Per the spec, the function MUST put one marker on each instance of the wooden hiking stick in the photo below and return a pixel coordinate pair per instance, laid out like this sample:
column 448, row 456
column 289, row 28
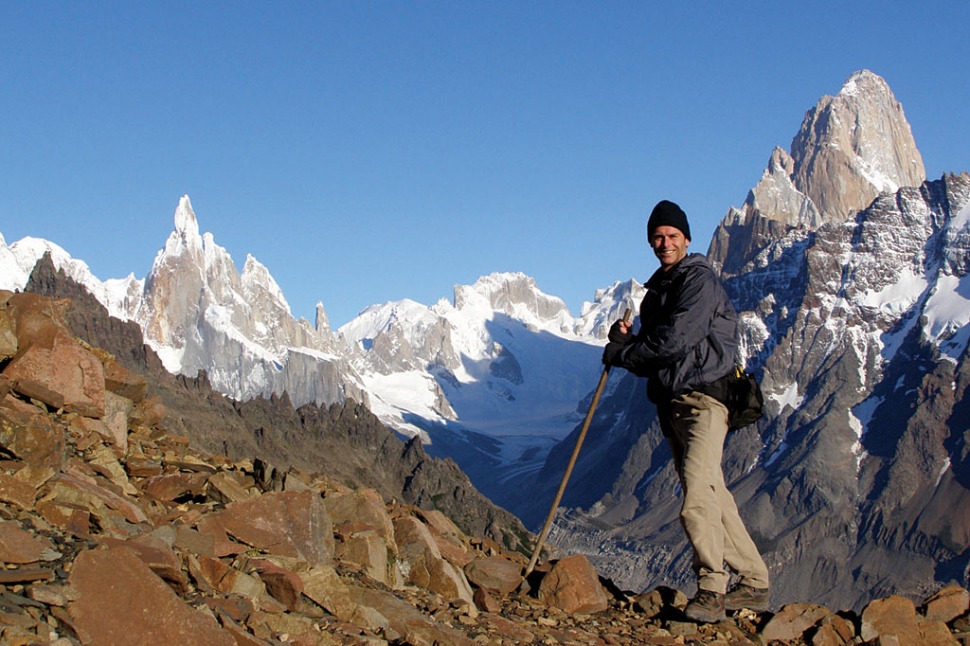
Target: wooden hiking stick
column 569, row 467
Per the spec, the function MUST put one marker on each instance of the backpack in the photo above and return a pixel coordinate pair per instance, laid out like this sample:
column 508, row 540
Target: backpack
column 745, row 402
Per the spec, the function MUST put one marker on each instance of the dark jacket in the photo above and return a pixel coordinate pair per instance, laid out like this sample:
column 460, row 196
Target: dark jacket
column 688, row 337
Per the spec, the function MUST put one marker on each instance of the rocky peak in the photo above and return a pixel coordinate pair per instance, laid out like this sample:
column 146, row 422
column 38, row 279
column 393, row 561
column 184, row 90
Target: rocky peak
column 776, row 197
column 322, row 321
column 854, row 146
column 186, row 225
column 514, row 294
column 850, row 149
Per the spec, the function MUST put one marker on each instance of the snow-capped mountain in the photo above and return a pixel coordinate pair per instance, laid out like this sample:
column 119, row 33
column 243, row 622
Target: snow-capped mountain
column 850, row 273
column 491, row 379
column 856, row 316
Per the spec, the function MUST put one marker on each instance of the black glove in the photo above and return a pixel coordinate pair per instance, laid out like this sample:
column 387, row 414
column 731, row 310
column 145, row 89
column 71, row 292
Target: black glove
column 611, row 352
column 617, row 335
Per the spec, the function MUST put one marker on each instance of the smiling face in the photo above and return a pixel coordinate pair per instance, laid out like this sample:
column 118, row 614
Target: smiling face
column 669, row 245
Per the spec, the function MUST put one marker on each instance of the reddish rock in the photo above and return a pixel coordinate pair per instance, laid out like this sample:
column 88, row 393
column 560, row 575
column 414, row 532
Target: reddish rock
column 191, row 540
column 103, row 460
column 123, row 382
column 792, row 620
column 650, row 603
column 288, row 523
column 117, row 411
column 156, row 554
column 495, row 574
column 16, row 492
column 238, row 608
column 573, row 586
column 67, row 517
column 421, row 558
column 227, row 486
column 413, row 536
column 148, row 412
column 324, row 587
column 486, row 602
column 242, row 636
column 8, row 336
column 138, row 466
column 368, row 550
column 376, row 609
column 35, row 476
column 454, row 552
column 363, row 506
column 947, row 604
column 175, row 485
column 441, row 525
column 509, row 629
column 214, row 534
column 893, row 615
column 19, row 546
column 833, row 630
column 283, row 585
column 209, row 572
column 122, row 602
column 69, row 487
column 32, row 437
column 427, row 632
column 934, row 633
column 50, row 365
column 36, row 319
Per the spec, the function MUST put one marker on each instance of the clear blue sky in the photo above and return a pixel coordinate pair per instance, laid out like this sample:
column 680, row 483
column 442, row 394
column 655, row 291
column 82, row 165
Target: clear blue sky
column 373, row 151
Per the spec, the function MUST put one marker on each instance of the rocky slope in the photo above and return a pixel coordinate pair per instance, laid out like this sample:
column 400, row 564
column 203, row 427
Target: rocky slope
column 345, row 440
column 116, row 531
column 855, row 317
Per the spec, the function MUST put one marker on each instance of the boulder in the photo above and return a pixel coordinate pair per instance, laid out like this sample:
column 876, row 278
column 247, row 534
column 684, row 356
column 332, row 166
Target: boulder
column 362, row 506
column 31, row 436
column 893, row 615
column 495, row 574
column 422, row 563
column 17, row 492
column 122, row 602
column 322, row 585
column 289, row 523
column 21, row 547
column 947, row 604
column 50, row 365
column 792, row 620
column 368, row 550
column 173, row 486
column 573, row 586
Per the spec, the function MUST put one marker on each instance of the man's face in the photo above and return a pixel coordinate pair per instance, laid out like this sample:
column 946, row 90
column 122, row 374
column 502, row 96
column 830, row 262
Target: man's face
column 669, row 245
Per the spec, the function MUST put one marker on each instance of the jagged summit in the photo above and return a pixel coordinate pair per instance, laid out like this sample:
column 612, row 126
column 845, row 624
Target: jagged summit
column 186, row 229
column 850, row 149
column 854, row 146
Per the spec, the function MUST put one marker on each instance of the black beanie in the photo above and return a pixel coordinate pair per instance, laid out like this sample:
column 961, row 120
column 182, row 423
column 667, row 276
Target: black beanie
column 669, row 214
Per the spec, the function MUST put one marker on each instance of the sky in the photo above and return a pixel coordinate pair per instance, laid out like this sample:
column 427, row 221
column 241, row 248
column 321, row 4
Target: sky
column 368, row 152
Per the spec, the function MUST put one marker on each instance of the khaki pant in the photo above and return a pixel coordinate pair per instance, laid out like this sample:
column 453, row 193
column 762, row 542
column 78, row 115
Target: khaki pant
column 695, row 426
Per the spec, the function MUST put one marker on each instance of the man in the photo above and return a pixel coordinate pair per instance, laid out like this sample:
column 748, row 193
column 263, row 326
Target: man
column 686, row 347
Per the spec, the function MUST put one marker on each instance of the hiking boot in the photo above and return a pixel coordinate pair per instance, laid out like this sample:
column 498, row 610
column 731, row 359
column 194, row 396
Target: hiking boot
column 746, row 596
column 706, row 607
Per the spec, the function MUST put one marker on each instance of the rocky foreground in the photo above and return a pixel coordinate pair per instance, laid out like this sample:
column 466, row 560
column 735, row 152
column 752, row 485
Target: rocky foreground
column 115, row 531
